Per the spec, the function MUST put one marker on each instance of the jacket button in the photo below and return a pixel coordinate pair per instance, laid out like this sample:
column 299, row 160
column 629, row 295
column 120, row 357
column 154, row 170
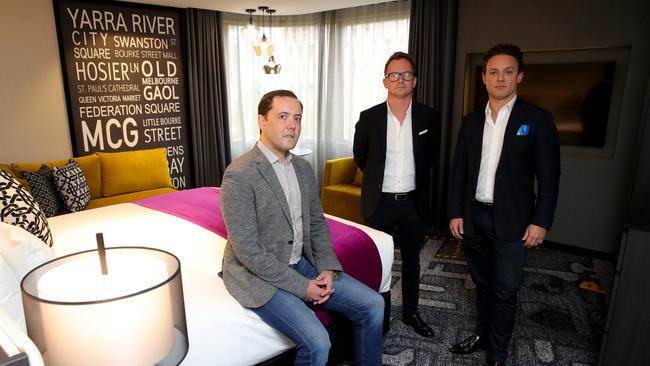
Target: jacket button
column 290, row 242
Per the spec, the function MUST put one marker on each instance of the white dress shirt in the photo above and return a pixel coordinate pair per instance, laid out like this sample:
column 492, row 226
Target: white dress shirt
column 289, row 182
column 399, row 168
column 493, row 133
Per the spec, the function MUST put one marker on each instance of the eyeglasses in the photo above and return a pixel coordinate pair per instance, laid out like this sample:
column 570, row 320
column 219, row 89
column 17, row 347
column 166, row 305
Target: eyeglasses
column 406, row 75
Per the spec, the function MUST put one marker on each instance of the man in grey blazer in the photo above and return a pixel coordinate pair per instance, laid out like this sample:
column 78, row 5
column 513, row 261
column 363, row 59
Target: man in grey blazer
column 279, row 260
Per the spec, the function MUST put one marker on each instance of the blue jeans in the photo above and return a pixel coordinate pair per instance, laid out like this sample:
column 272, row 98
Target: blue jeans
column 293, row 317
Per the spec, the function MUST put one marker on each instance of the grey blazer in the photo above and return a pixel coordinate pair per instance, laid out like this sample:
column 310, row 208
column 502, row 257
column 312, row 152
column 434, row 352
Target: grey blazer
column 260, row 236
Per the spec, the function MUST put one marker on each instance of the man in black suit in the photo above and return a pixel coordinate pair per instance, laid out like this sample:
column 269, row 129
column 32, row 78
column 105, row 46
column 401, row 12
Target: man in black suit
column 395, row 143
column 493, row 206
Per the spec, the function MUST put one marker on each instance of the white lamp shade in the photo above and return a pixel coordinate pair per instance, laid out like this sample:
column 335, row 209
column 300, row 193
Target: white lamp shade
column 134, row 315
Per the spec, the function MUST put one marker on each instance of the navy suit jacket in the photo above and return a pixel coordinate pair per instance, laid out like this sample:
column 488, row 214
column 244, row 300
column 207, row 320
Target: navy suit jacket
column 525, row 157
column 370, row 153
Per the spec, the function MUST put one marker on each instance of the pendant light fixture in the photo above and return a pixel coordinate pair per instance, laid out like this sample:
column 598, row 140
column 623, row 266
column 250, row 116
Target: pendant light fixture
column 263, row 45
column 250, row 29
column 271, row 48
column 271, row 66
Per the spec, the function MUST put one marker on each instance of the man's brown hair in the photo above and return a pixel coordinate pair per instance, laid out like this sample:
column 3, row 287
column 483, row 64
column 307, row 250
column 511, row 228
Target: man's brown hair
column 266, row 103
column 505, row 49
column 398, row 56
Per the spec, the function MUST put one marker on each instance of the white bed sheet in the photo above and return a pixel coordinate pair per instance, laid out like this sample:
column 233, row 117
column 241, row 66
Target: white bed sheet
column 220, row 331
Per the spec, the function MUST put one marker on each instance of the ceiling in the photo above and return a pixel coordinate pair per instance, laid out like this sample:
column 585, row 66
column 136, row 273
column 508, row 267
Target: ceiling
column 282, row 7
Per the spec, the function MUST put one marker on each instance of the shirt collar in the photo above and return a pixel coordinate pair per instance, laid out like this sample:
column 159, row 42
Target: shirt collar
column 270, row 156
column 508, row 105
column 408, row 111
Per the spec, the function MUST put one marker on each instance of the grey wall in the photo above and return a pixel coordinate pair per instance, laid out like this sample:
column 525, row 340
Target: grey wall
column 594, row 192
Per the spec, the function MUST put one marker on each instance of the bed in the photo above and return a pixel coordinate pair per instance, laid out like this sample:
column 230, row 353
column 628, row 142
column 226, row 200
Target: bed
column 220, row 331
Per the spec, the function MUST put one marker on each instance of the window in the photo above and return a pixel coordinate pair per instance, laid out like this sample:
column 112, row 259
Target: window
column 333, row 61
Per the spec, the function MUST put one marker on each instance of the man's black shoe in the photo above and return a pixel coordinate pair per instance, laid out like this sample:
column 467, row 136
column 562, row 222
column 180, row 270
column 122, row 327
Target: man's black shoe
column 471, row 344
column 418, row 325
column 495, row 363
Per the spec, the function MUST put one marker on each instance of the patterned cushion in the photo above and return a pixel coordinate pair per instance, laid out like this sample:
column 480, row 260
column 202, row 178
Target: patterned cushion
column 6, row 168
column 72, row 185
column 18, row 207
column 44, row 190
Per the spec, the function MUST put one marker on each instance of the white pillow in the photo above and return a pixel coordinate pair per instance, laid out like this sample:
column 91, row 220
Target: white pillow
column 10, row 298
column 20, row 252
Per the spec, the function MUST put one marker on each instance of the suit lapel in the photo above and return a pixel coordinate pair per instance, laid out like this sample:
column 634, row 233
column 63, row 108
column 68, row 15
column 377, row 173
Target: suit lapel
column 266, row 170
column 476, row 141
column 304, row 200
column 514, row 122
column 382, row 130
column 415, row 126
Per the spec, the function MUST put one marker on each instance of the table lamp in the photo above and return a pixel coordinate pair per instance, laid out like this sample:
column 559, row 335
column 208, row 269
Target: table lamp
column 125, row 309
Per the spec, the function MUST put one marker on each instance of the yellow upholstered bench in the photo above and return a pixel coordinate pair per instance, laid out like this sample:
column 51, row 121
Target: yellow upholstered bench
column 341, row 192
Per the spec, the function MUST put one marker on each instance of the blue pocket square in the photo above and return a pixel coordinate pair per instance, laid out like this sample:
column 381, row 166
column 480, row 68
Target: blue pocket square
column 523, row 130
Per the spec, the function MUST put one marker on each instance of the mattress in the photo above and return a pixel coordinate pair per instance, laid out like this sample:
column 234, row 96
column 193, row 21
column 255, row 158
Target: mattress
column 220, row 331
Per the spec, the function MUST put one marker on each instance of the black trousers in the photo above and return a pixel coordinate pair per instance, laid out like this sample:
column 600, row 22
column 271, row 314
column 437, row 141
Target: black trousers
column 497, row 268
column 400, row 218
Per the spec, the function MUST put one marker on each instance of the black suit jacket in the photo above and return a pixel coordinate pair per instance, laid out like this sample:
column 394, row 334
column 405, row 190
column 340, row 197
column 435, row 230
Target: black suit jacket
column 370, row 153
column 524, row 158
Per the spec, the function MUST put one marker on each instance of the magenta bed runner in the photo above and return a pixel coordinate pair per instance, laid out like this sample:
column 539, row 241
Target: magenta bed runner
column 353, row 247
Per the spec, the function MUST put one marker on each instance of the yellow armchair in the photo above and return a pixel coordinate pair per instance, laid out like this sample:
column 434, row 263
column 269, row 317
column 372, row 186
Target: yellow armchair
column 341, row 193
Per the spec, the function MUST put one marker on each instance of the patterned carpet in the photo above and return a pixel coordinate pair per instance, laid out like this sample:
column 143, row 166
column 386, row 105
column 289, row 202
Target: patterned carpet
column 562, row 309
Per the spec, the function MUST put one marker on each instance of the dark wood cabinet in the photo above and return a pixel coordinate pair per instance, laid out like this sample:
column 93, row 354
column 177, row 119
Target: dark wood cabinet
column 626, row 340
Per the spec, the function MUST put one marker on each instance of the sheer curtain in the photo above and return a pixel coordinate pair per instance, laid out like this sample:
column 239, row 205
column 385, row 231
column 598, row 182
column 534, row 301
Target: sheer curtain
column 333, row 61
column 360, row 41
column 297, row 50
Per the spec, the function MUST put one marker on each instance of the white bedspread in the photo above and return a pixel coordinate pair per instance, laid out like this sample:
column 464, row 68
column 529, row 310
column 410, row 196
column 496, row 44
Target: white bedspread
column 221, row 332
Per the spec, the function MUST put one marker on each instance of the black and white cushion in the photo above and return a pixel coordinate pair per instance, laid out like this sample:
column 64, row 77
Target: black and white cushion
column 18, row 207
column 72, row 185
column 44, row 190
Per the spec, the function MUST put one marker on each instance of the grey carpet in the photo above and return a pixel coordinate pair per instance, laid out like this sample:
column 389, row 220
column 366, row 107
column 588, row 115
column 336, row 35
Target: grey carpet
column 561, row 313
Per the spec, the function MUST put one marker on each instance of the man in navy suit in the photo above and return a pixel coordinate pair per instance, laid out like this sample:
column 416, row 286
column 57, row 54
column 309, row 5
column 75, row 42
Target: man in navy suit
column 493, row 206
column 395, row 144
